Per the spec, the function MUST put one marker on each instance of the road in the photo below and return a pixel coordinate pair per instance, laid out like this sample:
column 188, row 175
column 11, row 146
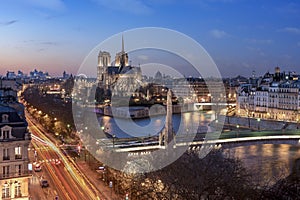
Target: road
column 66, row 181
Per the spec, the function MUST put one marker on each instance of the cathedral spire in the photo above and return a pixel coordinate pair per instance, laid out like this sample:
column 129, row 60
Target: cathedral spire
column 123, row 44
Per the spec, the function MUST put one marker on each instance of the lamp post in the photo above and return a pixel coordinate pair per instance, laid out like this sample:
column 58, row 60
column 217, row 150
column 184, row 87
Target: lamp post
column 237, row 133
column 258, row 120
column 114, row 136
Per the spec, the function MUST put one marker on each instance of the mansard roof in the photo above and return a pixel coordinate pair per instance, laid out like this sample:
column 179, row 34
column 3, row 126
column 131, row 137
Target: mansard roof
column 18, row 124
column 296, row 84
column 14, row 119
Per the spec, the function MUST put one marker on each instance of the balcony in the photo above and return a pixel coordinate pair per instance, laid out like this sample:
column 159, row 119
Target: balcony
column 25, row 173
column 6, row 158
column 18, row 157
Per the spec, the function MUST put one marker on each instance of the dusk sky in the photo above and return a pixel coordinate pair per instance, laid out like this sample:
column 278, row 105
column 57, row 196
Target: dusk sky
column 240, row 35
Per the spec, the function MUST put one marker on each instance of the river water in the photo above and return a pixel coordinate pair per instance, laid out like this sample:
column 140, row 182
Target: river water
column 268, row 162
column 185, row 123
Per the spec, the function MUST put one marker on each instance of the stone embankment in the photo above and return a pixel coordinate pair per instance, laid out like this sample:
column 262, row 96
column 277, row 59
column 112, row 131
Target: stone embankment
column 259, row 124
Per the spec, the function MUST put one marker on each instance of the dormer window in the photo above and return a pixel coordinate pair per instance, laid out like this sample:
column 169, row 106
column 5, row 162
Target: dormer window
column 4, row 118
column 6, row 133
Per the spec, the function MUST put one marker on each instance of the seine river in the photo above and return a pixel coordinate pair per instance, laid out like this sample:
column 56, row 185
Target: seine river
column 186, row 123
column 268, row 162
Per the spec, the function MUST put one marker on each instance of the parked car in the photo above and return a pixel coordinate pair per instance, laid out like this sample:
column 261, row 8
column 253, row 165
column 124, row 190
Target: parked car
column 44, row 183
column 37, row 168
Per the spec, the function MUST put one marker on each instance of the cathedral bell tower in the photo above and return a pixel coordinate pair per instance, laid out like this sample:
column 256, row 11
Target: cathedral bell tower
column 103, row 63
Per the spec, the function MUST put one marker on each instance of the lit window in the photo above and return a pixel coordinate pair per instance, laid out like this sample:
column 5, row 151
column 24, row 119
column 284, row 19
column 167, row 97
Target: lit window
column 18, row 152
column 18, row 189
column 6, row 190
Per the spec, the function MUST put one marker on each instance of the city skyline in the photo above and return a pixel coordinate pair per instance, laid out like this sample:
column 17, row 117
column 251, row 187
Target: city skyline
column 239, row 35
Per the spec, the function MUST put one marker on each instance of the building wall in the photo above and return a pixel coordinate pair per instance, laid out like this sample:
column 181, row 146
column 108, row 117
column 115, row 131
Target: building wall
column 276, row 96
column 14, row 143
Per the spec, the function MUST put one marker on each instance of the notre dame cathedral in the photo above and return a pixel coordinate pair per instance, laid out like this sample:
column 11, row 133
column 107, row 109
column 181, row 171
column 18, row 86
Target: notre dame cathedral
column 120, row 78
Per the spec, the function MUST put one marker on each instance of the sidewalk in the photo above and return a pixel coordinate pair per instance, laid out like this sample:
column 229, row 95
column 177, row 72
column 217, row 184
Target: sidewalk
column 95, row 178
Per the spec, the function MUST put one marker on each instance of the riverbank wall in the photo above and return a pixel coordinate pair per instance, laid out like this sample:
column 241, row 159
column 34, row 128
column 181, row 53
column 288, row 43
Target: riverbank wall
column 140, row 112
column 262, row 124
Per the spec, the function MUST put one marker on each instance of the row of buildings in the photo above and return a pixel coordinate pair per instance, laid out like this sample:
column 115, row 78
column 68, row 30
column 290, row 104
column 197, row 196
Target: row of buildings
column 125, row 80
column 272, row 96
column 33, row 76
column 14, row 142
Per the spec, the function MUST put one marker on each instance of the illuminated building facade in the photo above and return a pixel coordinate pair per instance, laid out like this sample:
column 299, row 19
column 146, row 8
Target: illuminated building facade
column 121, row 78
column 14, row 142
column 277, row 97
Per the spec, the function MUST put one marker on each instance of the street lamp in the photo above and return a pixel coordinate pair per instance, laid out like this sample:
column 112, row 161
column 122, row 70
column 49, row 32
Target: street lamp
column 258, row 120
column 114, row 136
column 237, row 133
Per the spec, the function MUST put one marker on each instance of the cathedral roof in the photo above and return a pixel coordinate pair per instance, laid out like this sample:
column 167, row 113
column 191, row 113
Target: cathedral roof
column 112, row 70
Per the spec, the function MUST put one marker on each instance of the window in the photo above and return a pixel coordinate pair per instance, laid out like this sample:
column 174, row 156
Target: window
column 5, row 171
column 6, row 190
column 6, row 154
column 4, row 118
column 18, row 152
column 5, row 134
column 18, row 189
column 18, row 170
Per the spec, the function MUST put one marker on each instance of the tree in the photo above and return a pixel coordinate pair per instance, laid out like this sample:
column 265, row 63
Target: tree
column 213, row 177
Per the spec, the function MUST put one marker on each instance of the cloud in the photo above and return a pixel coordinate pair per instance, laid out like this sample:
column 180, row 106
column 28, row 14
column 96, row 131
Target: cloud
column 48, row 4
column 7, row 23
column 257, row 41
column 218, row 34
column 41, row 43
column 143, row 57
column 293, row 30
column 286, row 57
column 130, row 6
column 46, row 15
column 257, row 51
column 49, row 43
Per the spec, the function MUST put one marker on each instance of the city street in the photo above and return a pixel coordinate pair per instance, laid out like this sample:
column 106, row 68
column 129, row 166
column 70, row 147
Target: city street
column 65, row 181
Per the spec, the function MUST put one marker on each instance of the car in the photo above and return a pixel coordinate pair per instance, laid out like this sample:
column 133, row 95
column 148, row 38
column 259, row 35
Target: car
column 44, row 183
column 37, row 168
column 57, row 161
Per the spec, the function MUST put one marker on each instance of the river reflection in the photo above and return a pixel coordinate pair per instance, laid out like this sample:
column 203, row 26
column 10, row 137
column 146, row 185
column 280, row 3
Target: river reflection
column 185, row 123
column 268, row 162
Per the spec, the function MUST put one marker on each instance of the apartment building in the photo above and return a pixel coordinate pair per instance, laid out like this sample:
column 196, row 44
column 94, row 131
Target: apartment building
column 276, row 96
